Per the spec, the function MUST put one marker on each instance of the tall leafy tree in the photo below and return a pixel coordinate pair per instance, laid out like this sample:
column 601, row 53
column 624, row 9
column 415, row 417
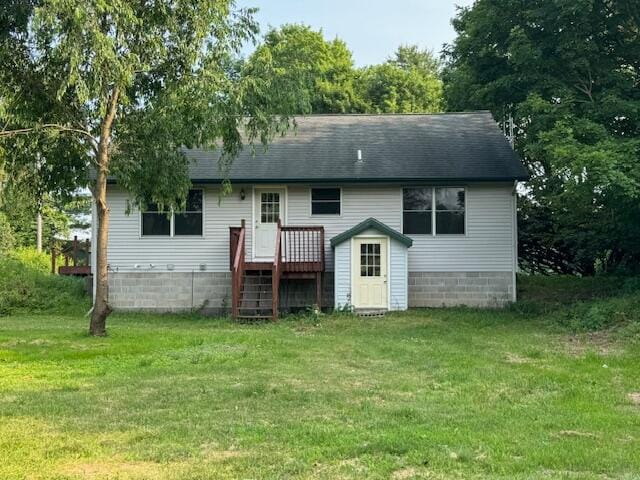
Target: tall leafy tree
column 319, row 72
column 128, row 84
column 408, row 82
column 569, row 75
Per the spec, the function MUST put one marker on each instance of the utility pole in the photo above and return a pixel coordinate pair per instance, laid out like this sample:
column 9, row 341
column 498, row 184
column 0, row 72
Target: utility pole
column 39, row 230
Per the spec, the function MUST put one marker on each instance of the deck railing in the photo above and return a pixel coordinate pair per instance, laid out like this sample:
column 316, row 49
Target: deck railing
column 303, row 248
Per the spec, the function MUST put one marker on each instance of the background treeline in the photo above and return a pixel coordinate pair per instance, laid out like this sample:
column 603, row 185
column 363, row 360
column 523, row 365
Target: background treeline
column 565, row 74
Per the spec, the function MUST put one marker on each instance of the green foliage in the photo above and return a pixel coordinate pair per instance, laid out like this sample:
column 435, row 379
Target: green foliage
column 315, row 74
column 7, row 240
column 318, row 76
column 389, row 88
column 27, row 285
column 569, row 75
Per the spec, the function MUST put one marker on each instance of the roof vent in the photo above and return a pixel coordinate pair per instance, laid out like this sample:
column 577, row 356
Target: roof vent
column 360, row 155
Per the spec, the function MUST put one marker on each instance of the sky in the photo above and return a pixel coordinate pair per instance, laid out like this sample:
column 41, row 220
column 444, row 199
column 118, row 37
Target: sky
column 372, row 29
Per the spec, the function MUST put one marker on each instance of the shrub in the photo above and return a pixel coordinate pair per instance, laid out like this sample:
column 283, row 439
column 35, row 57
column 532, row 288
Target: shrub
column 6, row 235
column 27, row 285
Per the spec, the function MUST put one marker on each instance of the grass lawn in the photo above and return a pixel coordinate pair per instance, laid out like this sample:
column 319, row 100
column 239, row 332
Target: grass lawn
column 450, row 393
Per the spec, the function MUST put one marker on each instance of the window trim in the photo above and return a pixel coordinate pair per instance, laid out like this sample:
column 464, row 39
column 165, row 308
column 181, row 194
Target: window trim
column 172, row 221
column 331, row 215
column 433, row 211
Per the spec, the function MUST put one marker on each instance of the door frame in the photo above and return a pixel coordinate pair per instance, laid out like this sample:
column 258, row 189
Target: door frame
column 354, row 263
column 283, row 215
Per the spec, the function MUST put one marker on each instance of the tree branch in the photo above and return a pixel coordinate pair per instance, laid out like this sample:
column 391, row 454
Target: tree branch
column 49, row 126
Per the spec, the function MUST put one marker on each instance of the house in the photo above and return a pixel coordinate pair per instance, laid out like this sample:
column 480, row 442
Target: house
column 372, row 212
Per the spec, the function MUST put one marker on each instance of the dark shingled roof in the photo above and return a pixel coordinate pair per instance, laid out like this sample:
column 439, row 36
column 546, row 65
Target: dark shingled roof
column 371, row 223
column 323, row 148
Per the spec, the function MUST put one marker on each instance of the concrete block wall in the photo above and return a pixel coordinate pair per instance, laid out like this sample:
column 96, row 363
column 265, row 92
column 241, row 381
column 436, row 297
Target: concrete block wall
column 170, row 291
column 474, row 289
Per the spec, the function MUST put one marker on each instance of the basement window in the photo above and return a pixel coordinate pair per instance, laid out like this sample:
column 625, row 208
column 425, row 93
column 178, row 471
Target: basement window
column 325, row 201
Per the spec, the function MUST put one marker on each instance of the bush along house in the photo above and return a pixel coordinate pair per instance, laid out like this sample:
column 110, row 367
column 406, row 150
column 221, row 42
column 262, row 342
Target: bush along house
column 366, row 212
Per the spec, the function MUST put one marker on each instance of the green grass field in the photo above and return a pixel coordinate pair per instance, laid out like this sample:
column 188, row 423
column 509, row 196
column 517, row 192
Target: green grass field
column 439, row 394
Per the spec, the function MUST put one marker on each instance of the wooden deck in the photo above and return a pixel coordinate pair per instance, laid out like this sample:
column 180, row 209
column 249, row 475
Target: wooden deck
column 299, row 255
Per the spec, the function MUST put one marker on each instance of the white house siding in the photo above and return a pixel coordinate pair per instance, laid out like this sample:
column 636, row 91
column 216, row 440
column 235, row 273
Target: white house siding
column 358, row 204
column 398, row 276
column 342, row 275
column 485, row 254
column 487, row 245
column 127, row 248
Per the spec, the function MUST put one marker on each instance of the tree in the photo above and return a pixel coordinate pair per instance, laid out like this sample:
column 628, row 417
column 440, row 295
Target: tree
column 568, row 73
column 407, row 83
column 319, row 71
column 128, row 85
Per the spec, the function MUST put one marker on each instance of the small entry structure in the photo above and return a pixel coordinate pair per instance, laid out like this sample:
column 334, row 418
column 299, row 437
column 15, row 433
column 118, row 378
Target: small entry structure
column 371, row 268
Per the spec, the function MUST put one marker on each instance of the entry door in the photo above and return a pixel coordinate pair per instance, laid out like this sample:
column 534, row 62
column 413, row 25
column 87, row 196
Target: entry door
column 269, row 208
column 370, row 273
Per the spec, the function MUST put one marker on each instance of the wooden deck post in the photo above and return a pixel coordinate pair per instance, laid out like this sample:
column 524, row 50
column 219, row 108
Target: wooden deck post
column 53, row 259
column 319, row 290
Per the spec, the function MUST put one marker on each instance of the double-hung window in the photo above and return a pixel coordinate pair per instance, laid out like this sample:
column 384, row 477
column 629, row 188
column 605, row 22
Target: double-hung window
column 433, row 211
column 325, row 201
column 417, row 209
column 188, row 222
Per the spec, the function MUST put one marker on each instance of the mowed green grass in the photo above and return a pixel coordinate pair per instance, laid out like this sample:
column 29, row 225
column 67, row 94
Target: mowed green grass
column 441, row 394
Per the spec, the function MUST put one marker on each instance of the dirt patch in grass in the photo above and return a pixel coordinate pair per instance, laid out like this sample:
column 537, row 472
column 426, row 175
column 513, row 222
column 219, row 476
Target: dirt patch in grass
column 635, row 398
column 598, row 342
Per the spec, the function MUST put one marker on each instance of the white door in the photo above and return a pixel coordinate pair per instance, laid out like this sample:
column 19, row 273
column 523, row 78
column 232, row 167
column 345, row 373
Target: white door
column 370, row 273
column 269, row 208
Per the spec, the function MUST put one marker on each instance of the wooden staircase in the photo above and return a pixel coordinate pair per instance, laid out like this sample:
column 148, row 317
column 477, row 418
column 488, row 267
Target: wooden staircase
column 299, row 254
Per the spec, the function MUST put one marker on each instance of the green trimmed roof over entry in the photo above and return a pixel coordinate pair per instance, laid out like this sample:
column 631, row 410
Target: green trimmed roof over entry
column 371, row 223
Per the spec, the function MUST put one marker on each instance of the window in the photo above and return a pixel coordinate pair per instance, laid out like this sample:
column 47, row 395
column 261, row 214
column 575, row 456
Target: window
column 325, row 201
column 189, row 222
column 155, row 222
column 370, row 260
column 185, row 223
column 417, row 206
column 270, row 207
column 450, row 207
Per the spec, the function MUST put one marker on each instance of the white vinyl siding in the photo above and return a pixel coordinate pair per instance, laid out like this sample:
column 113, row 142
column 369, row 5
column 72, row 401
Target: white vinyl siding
column 486, row 246
column 342, row 278
column 398, row 276
column 128, row 248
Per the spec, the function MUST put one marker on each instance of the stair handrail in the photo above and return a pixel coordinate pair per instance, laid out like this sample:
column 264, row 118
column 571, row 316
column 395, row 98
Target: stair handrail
column 237, row 272
column 276, row 271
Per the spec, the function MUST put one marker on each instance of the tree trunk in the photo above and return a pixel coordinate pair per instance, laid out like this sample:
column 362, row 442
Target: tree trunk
column 101, row 308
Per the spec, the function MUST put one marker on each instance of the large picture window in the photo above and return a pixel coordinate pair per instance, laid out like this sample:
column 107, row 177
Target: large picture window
column 157, row 223
column 417, row 206
column 325, row 201
column 433, row 211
